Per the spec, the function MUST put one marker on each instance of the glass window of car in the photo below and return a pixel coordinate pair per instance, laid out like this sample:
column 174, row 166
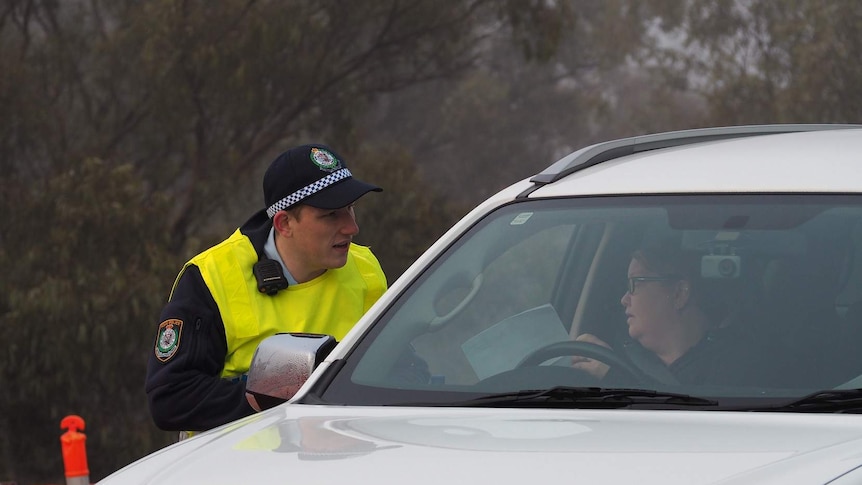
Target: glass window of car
column 781, row 270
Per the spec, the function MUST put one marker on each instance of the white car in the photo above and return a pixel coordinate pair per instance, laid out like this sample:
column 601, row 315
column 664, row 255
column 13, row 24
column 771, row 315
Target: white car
column 533, row 344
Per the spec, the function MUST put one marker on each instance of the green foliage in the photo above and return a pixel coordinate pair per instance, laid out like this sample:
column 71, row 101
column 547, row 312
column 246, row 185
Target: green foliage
column 83, row 275
column 766, row 62
column 402, row 221
column 537, row 26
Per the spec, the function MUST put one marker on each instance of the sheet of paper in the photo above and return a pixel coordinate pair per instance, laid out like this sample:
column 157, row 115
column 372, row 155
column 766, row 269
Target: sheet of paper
column 500, row 347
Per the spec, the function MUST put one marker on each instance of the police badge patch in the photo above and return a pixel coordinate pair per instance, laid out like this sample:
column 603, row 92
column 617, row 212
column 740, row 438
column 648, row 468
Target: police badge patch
column 168, row 339
column 325, row 160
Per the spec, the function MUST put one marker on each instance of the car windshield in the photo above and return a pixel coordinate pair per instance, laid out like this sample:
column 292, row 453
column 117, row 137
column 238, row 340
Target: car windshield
column 753, row 299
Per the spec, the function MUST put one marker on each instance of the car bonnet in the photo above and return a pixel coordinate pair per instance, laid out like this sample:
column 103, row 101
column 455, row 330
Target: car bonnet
column 323, row 444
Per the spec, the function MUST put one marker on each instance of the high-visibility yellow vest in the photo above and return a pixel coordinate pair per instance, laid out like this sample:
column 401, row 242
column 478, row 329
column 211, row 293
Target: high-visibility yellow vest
column 329, row 304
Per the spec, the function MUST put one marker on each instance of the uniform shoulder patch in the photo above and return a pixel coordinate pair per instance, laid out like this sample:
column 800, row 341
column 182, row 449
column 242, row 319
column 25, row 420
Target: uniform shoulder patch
column 168, row 340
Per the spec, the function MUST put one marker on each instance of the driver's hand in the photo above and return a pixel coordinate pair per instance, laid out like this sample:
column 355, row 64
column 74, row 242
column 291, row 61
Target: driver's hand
column 592, row 366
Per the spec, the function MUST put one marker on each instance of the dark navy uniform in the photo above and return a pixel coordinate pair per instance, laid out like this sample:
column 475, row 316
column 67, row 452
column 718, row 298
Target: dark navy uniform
column 186, row 392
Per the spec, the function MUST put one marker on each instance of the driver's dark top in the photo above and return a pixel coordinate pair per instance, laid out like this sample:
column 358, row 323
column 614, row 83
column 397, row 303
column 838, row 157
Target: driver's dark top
column 723, row 357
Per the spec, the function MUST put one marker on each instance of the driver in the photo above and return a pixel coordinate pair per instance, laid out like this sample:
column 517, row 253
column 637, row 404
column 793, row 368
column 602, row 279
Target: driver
column 675, row 334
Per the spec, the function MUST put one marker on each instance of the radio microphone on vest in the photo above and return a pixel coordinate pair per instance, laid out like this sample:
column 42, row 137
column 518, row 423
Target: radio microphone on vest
column 269, row 276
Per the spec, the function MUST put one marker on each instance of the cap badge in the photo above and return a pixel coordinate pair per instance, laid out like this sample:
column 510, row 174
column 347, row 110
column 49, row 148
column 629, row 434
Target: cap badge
column 324, row 159
column 168, row 340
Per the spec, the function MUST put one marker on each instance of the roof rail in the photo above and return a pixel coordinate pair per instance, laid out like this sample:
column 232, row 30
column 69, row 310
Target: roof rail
column 602, row 152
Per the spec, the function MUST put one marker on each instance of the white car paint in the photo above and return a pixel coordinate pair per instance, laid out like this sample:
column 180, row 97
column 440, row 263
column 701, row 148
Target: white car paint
column 789, row 162
column 331, row 444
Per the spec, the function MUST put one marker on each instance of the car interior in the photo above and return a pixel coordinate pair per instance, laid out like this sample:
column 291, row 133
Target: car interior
column 528, row 279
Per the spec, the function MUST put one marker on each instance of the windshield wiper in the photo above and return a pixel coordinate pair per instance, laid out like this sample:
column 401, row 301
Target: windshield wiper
column 833, row 401
column 583, row 397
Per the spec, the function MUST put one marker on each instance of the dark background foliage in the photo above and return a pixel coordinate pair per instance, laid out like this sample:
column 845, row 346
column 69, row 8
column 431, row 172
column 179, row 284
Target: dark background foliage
column 135, row 133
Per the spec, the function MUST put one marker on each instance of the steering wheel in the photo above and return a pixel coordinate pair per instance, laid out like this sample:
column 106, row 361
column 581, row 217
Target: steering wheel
column 586, row 349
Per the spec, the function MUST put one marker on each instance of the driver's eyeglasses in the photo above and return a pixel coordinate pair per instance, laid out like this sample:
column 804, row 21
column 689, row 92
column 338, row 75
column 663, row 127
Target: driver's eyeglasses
column 636, row 279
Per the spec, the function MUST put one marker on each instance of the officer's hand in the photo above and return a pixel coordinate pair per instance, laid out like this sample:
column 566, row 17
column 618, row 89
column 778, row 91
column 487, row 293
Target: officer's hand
column 252, row 401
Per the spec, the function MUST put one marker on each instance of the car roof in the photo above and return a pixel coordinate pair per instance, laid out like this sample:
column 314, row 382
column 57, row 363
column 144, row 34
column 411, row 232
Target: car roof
column 757, row 158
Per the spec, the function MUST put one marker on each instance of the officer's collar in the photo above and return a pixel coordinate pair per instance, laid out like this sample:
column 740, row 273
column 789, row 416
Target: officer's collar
column 272, row 253
column 257, row 229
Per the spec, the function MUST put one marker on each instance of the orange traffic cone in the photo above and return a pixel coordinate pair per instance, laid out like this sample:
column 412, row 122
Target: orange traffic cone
column 74, row 451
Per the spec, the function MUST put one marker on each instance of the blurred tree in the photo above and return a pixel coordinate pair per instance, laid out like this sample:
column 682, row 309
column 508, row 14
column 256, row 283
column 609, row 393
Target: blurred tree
column 81, row 269
column 760, row 61
column 406, row 215
column 508, row 117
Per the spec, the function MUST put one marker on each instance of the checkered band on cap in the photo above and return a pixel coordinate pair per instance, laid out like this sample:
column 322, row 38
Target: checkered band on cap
column 308, row 190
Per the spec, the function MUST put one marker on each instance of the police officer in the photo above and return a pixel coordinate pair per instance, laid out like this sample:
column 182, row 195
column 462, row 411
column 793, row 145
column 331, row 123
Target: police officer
column 290, row 268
